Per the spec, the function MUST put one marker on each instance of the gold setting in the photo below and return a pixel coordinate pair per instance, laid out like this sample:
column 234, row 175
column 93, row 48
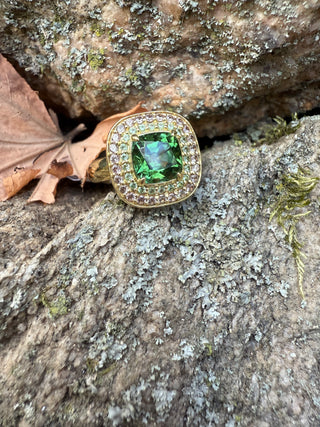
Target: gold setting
column 135, row 191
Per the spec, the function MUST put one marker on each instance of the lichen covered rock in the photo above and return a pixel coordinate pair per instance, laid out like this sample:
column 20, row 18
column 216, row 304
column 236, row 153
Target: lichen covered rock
column 188, row 315
column 222, row 64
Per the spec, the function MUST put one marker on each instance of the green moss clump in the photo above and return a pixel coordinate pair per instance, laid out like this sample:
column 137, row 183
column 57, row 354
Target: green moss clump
column 293, row 193
column 273, row 133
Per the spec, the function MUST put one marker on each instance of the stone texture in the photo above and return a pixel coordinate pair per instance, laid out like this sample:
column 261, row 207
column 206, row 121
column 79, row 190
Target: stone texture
column 187, row 315
column 222, row 64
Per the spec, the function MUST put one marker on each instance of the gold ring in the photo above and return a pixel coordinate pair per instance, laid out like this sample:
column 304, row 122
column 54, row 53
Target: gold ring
column 152, row 159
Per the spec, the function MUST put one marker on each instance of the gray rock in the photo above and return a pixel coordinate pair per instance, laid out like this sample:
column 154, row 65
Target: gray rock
column 188, row 315
column 222, row 64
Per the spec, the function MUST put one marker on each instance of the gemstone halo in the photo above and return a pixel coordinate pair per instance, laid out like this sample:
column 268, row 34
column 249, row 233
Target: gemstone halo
column 154, row 159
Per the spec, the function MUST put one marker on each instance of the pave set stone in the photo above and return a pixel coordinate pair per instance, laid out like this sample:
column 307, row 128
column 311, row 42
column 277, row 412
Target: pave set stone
column 154, row 159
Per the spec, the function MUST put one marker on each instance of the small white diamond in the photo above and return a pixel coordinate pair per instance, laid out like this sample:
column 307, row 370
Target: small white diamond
column 113, row 148
column 123, row 189
column 120, row 128
column 116, row 169
column 131, row 197
column 172, row 197
column 114, row 158
column 115, row 137
column 194, row 160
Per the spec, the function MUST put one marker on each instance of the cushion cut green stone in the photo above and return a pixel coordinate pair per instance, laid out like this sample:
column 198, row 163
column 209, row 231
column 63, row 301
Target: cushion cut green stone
column 156, row 157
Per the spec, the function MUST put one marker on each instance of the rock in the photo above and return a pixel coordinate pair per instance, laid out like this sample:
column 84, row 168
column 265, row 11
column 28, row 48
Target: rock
column 188, row 315
column 223, row 65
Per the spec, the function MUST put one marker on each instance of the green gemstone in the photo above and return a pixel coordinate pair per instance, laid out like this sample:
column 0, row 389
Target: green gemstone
column 141, row 190
column 156, row 157
column 133, row 185
column 124, row 147
column 151, row 191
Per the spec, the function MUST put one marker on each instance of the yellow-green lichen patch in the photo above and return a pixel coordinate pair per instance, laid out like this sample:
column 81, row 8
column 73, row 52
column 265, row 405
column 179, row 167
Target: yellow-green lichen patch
column 96, row 58
column 57, row 307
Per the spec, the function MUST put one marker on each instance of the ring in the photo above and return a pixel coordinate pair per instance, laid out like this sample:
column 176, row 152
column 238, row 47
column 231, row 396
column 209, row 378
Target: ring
column 152, row 159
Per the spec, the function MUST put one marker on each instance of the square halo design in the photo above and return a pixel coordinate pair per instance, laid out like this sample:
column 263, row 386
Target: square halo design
column 135, row 191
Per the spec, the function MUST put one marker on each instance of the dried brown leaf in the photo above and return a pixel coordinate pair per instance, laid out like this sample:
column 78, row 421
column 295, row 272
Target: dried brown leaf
column 32, row 145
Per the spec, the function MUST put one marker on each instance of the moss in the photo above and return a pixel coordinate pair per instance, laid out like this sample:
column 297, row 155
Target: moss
column 294, row 193
column 267, row 131
column 282, row 128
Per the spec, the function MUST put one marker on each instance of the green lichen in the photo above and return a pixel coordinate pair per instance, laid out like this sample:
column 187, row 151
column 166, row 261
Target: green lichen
column 138, row 77
column 209, row 349
column 293, row 194
column 98, row 29
column 96, row 58
column 57, row 307
column 78, row 86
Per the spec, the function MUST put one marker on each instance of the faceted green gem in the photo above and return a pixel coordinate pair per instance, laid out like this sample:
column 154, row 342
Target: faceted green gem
column 133, row 185
column 151, row 190
column 156, row 157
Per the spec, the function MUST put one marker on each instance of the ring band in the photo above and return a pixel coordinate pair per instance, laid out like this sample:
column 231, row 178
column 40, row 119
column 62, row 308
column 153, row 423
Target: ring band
column 152, row 159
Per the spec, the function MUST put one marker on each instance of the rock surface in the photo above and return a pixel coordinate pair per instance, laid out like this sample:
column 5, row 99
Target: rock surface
column 188, row 315
column 222, row 64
